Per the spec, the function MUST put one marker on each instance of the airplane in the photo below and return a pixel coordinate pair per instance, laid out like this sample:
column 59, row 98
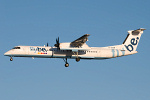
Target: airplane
column 78, row 49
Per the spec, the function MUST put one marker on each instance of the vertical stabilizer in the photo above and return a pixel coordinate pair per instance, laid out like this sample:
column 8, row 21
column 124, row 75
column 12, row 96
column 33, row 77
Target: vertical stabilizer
column 132, row 39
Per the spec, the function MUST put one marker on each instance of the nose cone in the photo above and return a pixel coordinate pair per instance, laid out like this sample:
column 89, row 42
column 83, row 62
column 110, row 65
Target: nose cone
column 7, row 53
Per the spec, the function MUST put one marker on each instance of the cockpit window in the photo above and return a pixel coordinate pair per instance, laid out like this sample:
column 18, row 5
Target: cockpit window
column 16, row 48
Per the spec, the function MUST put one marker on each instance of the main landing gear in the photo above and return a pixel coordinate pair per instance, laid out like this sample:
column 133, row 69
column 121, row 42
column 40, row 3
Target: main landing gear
column 11, row 59
column 67, row 64
column 77, row 59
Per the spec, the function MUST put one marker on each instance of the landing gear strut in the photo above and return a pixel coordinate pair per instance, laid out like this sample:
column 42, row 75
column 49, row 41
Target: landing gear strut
column 67, row 64
column 11, row 59
column 77, row 59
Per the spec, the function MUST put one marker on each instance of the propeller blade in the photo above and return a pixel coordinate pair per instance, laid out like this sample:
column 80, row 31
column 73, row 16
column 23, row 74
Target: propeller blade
column 57, row 42
column 47, row 44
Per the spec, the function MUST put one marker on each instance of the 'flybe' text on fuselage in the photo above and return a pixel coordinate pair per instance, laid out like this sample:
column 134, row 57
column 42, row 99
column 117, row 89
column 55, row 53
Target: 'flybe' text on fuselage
column 38, row 49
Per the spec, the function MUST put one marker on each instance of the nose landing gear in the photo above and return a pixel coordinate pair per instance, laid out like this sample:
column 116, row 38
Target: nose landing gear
column 11, row 59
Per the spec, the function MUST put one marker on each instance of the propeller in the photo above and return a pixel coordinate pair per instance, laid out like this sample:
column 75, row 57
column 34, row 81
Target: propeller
column 47, row 44
column 57, row 42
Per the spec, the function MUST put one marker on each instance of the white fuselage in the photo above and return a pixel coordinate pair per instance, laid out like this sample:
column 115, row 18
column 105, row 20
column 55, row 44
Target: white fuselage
column 54, row 52
column 78, row 49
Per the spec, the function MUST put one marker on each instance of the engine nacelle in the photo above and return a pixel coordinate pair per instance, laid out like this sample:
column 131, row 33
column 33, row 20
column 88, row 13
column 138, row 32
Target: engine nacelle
column 67, row 46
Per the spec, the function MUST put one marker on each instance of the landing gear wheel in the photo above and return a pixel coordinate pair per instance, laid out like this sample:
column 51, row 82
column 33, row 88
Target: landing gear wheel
column 11, row 59
column 77, row 59
column 66, row 65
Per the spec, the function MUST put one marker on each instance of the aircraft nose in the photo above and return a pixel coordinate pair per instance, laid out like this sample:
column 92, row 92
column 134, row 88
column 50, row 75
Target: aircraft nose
column 7, row 53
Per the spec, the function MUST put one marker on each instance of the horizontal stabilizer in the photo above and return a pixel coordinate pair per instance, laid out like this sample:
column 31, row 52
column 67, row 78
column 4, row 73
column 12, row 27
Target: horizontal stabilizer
column 136, row 32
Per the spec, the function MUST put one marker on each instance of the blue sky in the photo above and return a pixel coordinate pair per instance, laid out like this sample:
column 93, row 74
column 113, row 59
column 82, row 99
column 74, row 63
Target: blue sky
column 36, row 22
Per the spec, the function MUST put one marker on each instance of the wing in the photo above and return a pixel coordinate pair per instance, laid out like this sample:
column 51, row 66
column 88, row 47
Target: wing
column 80, row 41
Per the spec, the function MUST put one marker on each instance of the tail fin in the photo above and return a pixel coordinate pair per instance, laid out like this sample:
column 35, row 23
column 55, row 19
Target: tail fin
column 132, row 39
